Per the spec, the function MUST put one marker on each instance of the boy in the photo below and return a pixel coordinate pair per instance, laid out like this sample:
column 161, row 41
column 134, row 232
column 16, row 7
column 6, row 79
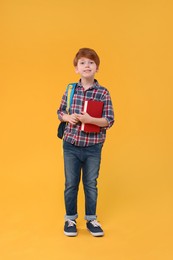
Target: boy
column 82, row 150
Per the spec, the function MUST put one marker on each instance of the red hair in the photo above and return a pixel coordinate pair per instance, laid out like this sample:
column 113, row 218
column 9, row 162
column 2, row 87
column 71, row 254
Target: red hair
column 86, row 53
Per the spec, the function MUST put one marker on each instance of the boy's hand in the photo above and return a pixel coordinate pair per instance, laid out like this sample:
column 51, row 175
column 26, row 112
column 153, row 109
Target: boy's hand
column 84, row 118
column 72, row 119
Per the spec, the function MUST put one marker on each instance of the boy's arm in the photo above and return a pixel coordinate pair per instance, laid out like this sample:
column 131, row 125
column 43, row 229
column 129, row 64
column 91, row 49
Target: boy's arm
column 108, row 111
column 102, row 122
column 107, row 118
column 87, row 119
column 62, row 113
column 62, row 109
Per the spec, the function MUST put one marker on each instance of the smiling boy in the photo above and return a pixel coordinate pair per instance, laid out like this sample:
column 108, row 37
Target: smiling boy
column 82, row 150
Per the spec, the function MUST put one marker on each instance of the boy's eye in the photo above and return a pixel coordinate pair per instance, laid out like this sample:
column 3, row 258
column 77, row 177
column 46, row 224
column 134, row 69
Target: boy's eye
column 83, row 62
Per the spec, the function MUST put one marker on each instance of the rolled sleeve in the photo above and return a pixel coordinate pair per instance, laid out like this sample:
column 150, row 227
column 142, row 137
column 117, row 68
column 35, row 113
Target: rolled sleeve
column 108, row 111
column 63, row 106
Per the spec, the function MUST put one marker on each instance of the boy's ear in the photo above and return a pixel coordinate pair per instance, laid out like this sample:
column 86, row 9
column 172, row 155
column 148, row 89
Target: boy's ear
column 76, row 69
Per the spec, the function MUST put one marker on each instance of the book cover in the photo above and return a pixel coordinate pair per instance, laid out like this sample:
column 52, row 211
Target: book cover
column 94, row 108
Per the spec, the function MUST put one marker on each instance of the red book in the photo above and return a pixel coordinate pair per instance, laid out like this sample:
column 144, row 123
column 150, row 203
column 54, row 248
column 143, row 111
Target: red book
column 94, row 108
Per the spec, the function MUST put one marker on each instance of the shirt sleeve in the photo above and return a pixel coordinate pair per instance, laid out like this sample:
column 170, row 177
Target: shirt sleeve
column 108, row 111
column 63, row 106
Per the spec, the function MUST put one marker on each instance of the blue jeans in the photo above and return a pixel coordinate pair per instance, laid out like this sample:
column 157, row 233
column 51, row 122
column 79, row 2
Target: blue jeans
column 86, row 159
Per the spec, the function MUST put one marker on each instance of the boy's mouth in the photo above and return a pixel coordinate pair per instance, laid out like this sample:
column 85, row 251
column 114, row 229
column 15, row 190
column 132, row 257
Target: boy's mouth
column 87, row 70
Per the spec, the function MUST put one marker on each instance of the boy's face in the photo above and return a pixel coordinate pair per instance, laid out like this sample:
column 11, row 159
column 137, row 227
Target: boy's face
column 86, row 68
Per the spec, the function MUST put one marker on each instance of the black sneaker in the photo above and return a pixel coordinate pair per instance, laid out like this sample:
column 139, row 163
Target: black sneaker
column 70, row 228
column 95, row 228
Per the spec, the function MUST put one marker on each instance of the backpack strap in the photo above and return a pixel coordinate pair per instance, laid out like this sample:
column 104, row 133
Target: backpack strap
column 70, row 93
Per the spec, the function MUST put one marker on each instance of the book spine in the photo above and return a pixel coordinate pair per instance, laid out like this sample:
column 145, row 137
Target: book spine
column 85, row 110
column 85, row 106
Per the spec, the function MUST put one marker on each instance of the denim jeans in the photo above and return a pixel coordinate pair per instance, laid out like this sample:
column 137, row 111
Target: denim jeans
column 85, row 160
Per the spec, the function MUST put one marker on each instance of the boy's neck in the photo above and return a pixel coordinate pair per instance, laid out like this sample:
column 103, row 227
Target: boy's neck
column 87, row 83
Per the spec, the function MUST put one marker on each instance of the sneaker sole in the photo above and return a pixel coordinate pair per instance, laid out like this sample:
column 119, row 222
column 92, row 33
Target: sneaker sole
column 99, row 234
column 70, row 234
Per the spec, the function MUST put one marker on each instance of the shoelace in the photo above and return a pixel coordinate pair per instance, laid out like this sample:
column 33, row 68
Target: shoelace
column 95, row 223
column 71, row 223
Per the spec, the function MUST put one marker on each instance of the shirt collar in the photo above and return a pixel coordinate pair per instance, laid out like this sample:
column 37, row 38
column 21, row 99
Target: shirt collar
column 95, row 84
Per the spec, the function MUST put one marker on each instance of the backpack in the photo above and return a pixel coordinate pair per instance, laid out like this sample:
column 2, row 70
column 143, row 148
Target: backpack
column 70, row 93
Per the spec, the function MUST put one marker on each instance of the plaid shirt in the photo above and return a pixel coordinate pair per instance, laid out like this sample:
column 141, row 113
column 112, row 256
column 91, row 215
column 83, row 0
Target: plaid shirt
column 73, row 133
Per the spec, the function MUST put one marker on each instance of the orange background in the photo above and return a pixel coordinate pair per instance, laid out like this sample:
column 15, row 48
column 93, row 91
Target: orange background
column 38, row 42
